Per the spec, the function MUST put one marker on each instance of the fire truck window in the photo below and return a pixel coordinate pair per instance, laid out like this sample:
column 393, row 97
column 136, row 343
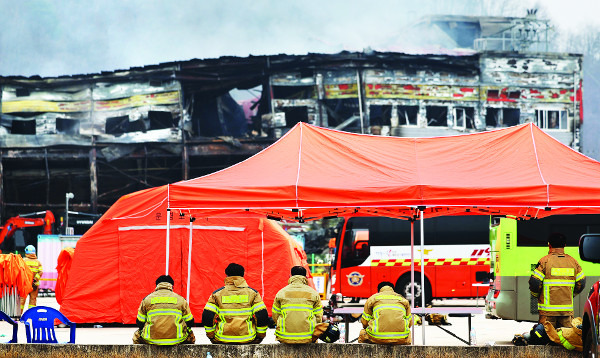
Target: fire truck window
column 355, row 249
column 535, row 232
column 449, row 230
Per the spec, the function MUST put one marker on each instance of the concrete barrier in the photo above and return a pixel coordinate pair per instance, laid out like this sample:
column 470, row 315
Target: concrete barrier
column 320, row 350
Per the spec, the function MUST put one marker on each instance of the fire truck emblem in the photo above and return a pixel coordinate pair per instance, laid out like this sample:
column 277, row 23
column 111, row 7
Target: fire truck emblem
column 355, row 278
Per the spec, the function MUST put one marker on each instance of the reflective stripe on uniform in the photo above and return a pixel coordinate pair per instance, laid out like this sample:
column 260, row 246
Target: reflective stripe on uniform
column 234, row 299
column 297, row 307
column 211, row 307
column 180, row 337
column 564, row 342
column 259, row 306
column 546, row 305
column 141, row 317
column 235, row 312
column 288, row 335
column 388, row 335
column 562, row 271
column 580, row 276
column 538, row 274
column 374, row 330
column 243, row 312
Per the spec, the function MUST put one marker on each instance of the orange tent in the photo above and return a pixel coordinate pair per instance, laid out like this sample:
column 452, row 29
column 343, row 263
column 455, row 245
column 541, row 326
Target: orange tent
column 118, row 260
column 313, row 172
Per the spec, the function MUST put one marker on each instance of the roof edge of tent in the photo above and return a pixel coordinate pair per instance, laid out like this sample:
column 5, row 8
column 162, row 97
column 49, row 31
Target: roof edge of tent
column 291, row 132
column 301, row 125
column 323, row 129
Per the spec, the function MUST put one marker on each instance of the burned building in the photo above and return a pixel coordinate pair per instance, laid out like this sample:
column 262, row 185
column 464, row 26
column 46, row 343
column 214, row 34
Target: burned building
column 104, row 135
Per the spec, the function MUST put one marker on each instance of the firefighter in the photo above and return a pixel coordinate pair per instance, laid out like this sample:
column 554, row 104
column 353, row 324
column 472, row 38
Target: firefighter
column 235, row 313
column 386, row 317
column 554, row 281
column 297, row 310
column 35, row 266
column 542, row 334
column 164, row 317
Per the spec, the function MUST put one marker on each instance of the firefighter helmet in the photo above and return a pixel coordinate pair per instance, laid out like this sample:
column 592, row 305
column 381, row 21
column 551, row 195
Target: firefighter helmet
column 331, row 334
column 30, row 249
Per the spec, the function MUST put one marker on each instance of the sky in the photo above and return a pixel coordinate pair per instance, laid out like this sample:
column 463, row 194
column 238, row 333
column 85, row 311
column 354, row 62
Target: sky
column 65, row 37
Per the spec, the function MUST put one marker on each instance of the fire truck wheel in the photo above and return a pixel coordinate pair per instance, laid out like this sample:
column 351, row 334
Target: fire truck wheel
column 403, row 288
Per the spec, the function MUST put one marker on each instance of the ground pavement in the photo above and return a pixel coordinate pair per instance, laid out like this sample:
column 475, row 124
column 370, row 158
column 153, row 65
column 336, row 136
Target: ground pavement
column 487, row 331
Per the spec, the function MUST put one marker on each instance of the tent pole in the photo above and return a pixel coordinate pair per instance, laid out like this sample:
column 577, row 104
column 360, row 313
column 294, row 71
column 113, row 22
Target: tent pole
column 189, row 258
column 168, row 239
column 359, row 93
column 412, row 274
column 422, row 271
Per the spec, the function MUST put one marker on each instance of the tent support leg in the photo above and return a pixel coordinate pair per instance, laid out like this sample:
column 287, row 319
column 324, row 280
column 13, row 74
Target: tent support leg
column 192, row 219
column 168, row 239
column 422, row 270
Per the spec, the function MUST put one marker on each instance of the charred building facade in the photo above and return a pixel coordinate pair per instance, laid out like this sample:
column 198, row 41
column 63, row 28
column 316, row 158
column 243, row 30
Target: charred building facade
column 101, row 136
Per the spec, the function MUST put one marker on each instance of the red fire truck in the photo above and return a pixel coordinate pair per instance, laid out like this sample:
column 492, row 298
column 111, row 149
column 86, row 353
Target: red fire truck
column 370, row 250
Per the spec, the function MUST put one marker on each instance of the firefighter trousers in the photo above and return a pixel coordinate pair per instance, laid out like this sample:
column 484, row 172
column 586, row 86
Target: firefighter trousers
column 557, row 321
column 32, row 299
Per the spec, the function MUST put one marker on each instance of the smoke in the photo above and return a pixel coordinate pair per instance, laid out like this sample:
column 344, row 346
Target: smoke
column 52, row 38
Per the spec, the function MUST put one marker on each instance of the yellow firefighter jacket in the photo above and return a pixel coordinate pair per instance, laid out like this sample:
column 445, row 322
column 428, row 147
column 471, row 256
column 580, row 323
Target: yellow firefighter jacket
column 387, row 318
column 35, row 266
column 297, row 310
column 554, row 281
column 164, row 314
column 235, row 313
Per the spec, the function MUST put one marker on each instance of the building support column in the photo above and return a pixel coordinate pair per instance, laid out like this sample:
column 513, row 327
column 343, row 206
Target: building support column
column 93, row 181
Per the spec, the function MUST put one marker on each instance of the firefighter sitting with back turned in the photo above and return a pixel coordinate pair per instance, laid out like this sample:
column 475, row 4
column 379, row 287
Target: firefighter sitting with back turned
column 386, row 317
column 164, row 317
column 235, row 313
column 297, row 310
column 35, row 266
column 554, row 281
